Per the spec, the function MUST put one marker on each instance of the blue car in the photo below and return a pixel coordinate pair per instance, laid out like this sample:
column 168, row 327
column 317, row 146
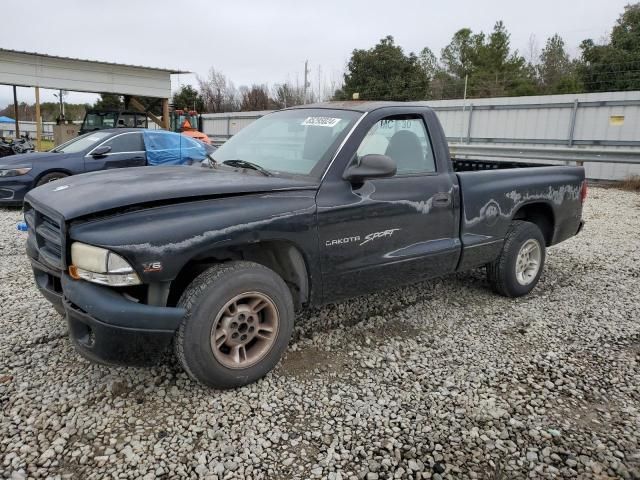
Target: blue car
column 99, row 150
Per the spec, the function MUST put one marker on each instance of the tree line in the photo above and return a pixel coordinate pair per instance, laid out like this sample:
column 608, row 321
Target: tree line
column 217, row 93
column 49, row 111
column 484, row 65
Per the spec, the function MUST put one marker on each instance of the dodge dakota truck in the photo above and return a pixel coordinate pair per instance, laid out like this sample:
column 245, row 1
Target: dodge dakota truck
column 305, row 206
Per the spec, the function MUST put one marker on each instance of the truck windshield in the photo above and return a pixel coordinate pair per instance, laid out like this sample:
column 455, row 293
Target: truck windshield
column 300, row 141
column 99, row 120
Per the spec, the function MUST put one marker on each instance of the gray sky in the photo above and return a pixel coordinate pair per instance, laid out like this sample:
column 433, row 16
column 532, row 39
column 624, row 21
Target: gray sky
column 268, row 41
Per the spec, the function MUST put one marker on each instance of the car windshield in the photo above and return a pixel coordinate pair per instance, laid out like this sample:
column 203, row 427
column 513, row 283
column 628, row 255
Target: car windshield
column 81, row 143
column 299, row 141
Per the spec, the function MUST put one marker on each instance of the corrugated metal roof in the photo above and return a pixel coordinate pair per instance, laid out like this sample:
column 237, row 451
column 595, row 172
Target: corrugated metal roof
column 169, row 70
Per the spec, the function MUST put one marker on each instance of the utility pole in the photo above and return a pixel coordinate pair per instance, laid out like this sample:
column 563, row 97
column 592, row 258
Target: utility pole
column 38, row 124
column 16, row 111
column 60, row 97
column 464, row 105
column 306, row 79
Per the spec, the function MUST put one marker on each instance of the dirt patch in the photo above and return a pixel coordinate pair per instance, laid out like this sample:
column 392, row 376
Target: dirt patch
column 374, row 337
column 311, row 361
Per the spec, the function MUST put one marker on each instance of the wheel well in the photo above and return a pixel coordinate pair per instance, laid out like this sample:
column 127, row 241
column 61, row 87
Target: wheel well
column 282, row 257
column 540, row 214
column 47, row 172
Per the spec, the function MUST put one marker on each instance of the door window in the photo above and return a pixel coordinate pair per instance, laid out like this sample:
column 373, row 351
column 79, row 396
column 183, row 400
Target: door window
column 127, row 142
column 404, row 138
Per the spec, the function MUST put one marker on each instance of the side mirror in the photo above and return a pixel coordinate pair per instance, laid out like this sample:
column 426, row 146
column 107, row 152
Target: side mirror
column 371, row 166
column 101, row 151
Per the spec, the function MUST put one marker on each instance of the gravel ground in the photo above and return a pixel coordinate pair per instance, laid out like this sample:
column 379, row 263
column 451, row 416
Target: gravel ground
column 438, row 380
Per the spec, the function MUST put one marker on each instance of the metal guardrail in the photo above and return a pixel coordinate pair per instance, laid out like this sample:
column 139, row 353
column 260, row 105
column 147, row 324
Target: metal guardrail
column 578, row 155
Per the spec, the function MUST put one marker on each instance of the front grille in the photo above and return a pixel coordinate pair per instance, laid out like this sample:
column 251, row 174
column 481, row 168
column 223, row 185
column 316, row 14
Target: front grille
column 46, row 237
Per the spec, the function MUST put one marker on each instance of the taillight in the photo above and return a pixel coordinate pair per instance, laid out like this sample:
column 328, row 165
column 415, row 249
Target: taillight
column 584, row 190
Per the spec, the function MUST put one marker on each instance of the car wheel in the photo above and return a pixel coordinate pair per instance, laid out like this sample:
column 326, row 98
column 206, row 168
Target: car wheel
column 50, row 177
column 518, row 268
column 238, row 324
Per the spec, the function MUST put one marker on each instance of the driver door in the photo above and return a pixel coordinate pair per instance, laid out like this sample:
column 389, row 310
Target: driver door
column 127, row 150
column 385, row 232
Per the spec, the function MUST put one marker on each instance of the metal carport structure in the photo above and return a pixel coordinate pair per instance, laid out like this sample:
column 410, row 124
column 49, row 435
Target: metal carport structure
column 29, row 69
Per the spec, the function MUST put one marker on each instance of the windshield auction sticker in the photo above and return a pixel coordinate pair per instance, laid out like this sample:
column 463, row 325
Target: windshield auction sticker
column 321, row 121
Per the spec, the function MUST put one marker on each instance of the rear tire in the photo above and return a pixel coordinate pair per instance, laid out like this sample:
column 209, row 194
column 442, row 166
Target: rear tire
column 519, row 266
column 51, row 177
column 238, row 324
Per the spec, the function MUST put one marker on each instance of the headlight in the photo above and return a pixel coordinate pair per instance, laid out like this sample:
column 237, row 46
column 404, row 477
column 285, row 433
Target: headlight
column 14, row 172
column 99, row 265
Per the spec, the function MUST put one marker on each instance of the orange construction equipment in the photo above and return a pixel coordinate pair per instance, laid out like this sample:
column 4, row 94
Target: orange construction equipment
column 186, row 122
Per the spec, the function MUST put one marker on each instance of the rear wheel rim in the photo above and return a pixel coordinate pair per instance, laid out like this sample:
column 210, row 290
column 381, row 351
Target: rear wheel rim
column 245, row 330
column 528, row 262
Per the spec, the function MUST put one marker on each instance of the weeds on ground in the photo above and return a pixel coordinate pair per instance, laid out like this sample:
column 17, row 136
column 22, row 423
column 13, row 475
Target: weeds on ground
column 631, row 183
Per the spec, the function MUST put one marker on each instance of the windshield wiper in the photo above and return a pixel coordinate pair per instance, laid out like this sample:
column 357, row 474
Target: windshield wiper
column 247, row 164
column 212, row 162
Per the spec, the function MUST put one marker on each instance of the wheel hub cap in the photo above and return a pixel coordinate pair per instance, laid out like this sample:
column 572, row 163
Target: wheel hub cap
column 244, row 330
column 528, row 262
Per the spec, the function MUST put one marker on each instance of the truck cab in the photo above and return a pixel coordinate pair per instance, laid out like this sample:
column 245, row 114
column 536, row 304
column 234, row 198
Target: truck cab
column 102, row 119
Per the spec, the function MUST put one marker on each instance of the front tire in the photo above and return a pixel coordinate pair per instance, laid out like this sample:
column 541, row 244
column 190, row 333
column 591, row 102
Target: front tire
column 238, row 324
column 518, row 268
column 51, row 177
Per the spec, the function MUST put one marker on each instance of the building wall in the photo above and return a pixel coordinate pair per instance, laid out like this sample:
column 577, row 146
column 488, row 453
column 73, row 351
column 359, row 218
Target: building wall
column 609, row 120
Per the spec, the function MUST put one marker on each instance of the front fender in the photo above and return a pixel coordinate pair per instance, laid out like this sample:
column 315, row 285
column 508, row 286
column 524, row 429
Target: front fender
column 159, row 241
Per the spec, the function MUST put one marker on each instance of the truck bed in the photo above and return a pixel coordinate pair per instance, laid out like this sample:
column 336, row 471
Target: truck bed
column 493, row 194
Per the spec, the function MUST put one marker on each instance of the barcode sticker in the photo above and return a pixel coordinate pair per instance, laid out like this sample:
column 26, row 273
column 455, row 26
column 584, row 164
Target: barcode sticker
column 321, row 121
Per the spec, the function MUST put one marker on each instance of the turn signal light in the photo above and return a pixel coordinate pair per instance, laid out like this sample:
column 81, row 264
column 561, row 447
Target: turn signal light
column 583, row 191
column 73, row 272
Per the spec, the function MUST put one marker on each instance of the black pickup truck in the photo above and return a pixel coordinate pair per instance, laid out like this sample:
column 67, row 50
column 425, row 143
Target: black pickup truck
column 305, row 206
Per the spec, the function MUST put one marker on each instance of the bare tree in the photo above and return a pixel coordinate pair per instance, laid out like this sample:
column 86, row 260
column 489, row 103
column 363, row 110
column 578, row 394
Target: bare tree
column 218, row 93
column 532, row 53
column 255, row 98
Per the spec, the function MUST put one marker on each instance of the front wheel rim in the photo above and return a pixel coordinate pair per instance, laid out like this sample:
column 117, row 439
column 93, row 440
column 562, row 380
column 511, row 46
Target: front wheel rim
column 528, row 262
column 244, row 330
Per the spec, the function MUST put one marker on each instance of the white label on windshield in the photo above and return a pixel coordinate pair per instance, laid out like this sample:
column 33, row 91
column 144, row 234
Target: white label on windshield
column 321, row 121
column 94, row 139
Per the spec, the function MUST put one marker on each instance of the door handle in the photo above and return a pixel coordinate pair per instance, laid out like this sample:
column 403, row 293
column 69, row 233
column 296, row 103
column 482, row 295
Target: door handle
column 441, row 199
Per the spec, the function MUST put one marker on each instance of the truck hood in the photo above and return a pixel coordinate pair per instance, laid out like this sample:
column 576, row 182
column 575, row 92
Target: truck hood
column 91, row 193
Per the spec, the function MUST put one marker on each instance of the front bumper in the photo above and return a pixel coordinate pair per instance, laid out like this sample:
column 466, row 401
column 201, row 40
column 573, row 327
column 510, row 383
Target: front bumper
column 104, row 325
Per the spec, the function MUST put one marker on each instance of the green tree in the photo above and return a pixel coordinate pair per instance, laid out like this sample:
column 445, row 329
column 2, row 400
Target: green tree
column 488, row 63
column 384, row 72
column 286, row 95
column 109, row 101
column 188, row 98
column 458, row 57
column 614, row 65
column 556, row 71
